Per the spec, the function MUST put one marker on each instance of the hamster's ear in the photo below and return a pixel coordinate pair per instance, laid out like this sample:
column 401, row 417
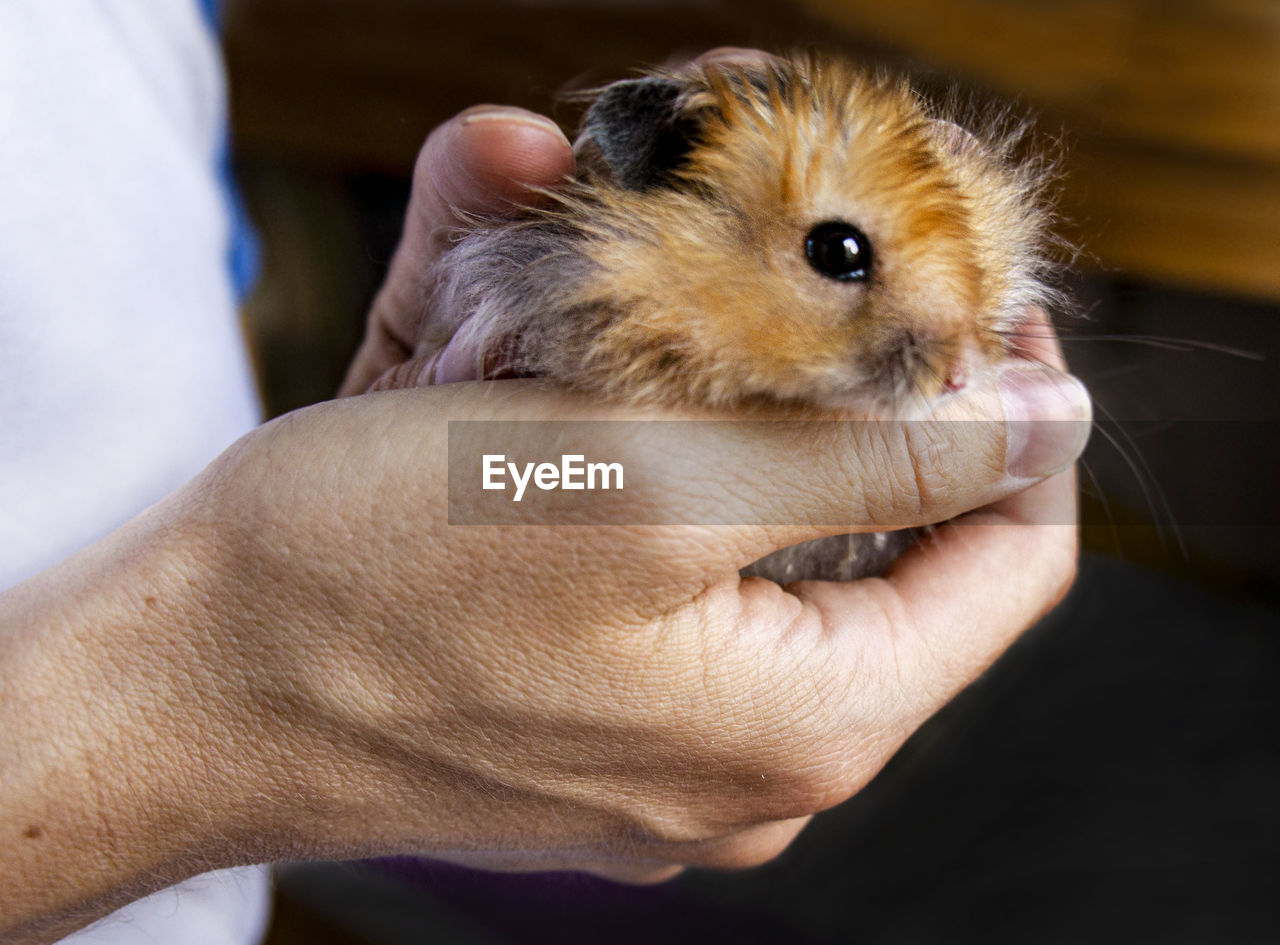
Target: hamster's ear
column 640, row 131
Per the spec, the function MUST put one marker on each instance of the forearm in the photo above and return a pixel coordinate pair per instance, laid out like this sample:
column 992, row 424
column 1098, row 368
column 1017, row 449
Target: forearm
column 101, row 790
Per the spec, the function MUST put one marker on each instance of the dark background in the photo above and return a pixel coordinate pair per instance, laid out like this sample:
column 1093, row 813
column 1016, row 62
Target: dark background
column 1115, row 777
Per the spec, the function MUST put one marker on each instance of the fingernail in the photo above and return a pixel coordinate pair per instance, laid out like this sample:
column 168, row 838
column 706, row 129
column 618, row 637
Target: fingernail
column 513, row 116
column 729, row 55
column 1048, row 415
column 457, row 362
column 427, row 373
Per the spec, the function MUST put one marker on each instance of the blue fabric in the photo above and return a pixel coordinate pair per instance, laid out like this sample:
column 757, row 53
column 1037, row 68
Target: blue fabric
column 244, row 254
column 212, row 10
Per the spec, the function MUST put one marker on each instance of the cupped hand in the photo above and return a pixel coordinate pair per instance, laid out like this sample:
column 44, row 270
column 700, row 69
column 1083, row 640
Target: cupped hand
column 609, row 697
column 298, row 655
column 746, row 707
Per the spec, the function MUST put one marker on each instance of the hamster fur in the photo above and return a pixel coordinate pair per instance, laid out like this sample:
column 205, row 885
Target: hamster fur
column 794, row 232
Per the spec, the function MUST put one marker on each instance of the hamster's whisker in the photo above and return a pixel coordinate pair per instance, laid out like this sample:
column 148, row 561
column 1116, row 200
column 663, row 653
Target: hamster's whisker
column 1152, row 494
column 1173, row 344
column 1096, row 491
column 1153, row 341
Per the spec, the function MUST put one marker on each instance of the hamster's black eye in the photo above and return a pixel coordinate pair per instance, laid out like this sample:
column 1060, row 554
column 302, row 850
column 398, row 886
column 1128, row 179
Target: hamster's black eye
column 839, row 250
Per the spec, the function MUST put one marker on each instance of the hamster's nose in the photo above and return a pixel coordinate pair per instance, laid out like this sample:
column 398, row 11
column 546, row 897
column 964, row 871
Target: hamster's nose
column 957, row 377
column 961, row 366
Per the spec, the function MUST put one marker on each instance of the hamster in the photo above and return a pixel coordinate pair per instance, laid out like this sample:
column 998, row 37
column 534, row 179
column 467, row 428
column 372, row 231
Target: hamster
column 791, row 232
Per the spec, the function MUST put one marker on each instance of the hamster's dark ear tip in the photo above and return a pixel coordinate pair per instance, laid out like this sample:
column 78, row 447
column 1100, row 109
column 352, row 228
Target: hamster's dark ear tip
column 639, row 131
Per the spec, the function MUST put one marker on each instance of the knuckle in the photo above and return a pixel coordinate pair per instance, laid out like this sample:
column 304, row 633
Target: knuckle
column 753, row 847
column 674, row 827
column 809, row 780
column 769, row 800
column 889, row 468
column 932, row 464
column 745, row 853
column 821, row 783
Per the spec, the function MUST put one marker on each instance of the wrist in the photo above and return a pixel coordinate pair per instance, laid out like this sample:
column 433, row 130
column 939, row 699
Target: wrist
column 105, row 794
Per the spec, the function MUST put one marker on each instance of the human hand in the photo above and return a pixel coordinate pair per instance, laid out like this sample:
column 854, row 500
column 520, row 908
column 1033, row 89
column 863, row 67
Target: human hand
column 609, row 698
column 297, row 656
column 452, row 163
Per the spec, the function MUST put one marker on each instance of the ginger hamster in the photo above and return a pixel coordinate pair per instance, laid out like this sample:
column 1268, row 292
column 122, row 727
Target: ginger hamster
column 797, row 231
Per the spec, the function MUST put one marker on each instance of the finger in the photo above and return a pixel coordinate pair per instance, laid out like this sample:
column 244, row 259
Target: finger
column 457, row 361
column 487, row 160
column 948, row 608
column 746, row 488
column 1035, row 340
column 809, row 479
column 414, row 372
column 747, row 848
column 734, row 56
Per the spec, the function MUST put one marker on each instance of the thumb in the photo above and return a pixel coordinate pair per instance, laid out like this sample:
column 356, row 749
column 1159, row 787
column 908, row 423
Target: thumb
column 487, row 160
column 744, row 488
column 1012, row 429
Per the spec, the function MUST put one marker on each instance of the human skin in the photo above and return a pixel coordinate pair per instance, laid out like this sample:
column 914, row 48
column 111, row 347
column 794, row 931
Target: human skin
column 297, row 656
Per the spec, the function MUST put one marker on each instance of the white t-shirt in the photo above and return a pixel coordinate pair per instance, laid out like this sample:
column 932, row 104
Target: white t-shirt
column 122, row 368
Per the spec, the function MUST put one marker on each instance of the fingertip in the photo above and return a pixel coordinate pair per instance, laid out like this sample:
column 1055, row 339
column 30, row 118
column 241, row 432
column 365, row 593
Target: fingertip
column 734, row 55
column 456, row 362
column 493, row 159
column 509, row 115
column 1034, row 338
column 1048, row 419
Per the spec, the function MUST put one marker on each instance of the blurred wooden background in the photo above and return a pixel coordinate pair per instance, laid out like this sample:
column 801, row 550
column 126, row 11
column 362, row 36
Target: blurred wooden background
column 1170, row 109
